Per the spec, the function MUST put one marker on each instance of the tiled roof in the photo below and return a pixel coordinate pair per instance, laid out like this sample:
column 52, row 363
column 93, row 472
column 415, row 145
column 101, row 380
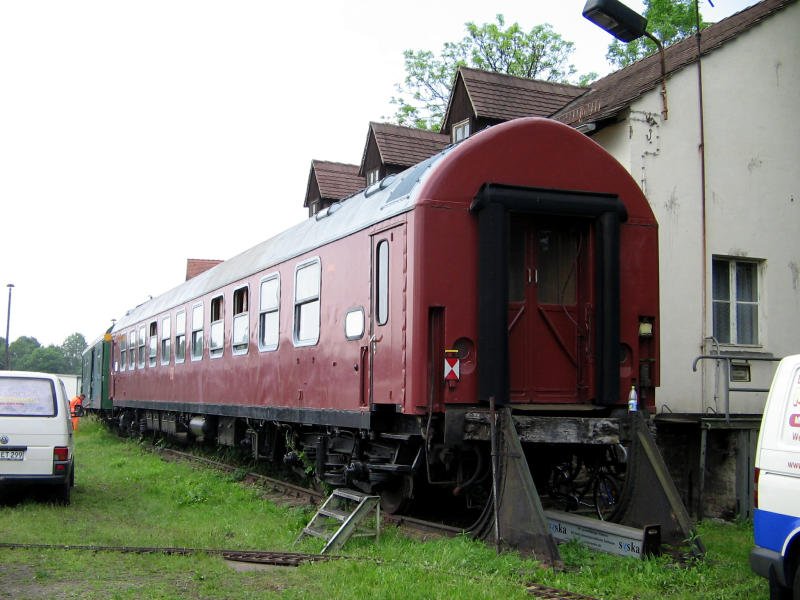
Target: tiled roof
column 609, row 95
column 405, row 146
column 505, row 97
column 336, row 180
column 195, row 266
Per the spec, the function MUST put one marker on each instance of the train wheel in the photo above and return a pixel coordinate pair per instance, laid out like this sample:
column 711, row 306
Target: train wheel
column 396, row 497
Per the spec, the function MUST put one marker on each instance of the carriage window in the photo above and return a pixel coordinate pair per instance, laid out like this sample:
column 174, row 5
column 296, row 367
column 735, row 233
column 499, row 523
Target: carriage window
column 153, row 342
column 197, row 332
column 354, row 324
column 217, row 328
column 269, row 313
column 382, row 283
column 132, row 350
column 241, row 321
column 557, row 257
column 141, row 349
column 180, row 337
column 306, row 304
column 166, row 341
column 123, row 353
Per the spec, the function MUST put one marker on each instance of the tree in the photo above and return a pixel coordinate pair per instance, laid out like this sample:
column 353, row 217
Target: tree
column 669, row 21
column 72, row 348
column 540, row 53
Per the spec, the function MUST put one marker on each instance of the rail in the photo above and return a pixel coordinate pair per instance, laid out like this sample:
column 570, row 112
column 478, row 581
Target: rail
column 726, row 362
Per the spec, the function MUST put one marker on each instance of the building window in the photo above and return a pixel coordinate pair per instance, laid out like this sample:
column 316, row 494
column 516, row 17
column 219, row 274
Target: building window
column 241, row 321
column 269, row 313
column 197, row 332
column 166, row 340
column 460, row 131
column 373, row 176
column 735, row 301
column 217, row 338
column 306, row 303
column 382, row 283
column 153, row 343
column 180, row 336
column 141, row 349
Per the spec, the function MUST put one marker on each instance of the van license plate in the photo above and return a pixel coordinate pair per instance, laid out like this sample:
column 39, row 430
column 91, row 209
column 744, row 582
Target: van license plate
column 12, row 454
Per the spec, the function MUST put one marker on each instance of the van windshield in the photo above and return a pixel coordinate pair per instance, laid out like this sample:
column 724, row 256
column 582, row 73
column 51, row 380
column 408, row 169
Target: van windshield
column 27, row 397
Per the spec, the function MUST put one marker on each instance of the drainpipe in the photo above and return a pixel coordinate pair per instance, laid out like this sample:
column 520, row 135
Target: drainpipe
column 702, row 149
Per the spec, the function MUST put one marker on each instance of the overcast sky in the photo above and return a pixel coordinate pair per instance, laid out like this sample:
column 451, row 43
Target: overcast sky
column 135, row 135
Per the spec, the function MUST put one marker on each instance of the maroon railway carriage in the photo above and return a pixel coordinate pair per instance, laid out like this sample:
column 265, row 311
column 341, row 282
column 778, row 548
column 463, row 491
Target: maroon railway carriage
column 521, row 262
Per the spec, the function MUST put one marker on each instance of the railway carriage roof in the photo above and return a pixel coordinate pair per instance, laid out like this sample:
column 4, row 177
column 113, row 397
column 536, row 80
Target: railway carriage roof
column 393, row 195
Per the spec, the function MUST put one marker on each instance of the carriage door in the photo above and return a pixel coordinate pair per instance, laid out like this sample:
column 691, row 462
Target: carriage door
column 387, row 346
column 548, row 313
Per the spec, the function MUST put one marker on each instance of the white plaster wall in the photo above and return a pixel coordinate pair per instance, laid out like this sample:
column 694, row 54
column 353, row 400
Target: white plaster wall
column 751, row 89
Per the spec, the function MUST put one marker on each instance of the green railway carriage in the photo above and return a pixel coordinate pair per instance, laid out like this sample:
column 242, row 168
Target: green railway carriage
column 95, row 363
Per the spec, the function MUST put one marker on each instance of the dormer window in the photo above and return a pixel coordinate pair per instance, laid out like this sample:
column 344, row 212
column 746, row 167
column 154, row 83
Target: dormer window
column 373, row 176
column 460, row 131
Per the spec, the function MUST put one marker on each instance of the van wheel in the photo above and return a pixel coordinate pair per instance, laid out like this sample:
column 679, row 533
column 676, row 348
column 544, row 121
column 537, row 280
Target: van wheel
column 778, row 592
column 62, row 493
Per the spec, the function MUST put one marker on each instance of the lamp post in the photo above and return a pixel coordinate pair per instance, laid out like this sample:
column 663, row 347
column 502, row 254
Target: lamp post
column 10, row 286
column 626, row 25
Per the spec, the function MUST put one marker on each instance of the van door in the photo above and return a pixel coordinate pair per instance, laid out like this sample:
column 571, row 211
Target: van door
column 387, row 347
column 548, row 311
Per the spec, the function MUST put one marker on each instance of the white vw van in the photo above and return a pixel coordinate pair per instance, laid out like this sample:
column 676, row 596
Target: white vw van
column 776, row 520
column 36, row 442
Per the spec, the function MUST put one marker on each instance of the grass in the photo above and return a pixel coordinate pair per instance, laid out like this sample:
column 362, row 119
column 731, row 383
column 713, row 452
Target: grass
column 126, row 496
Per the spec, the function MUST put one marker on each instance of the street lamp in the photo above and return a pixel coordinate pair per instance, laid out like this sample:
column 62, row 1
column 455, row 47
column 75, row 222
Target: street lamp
column 626, row 25
column 10, row 286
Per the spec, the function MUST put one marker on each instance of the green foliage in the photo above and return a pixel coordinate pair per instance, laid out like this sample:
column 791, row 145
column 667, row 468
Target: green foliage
column 669, row 21
column 27, row 354
column 539, row 53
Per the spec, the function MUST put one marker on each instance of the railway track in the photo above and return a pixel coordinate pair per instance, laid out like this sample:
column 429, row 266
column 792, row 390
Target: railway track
column 288, row 493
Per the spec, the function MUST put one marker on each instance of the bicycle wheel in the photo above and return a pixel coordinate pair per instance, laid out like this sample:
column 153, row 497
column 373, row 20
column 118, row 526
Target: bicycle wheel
column 605, row 492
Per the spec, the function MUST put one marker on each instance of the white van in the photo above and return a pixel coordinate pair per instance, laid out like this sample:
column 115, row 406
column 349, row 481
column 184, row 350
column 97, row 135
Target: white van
column 36, row 440
column 776, row 519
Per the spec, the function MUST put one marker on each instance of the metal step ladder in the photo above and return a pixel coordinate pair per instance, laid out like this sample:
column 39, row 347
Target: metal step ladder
column 341, row 517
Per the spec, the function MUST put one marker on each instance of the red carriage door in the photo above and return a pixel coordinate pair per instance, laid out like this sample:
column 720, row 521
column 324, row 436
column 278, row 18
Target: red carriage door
column 387, row 347
column 548, row 311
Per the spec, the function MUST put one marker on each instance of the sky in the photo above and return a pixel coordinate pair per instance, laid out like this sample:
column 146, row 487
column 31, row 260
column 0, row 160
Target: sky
column 135, row 135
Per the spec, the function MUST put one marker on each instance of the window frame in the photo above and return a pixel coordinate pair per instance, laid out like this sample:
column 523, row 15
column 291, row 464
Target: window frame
column 152, row 343
column 180, row 335
column 123, row 353
column 240, row 349
column 197, row 357
column 141, row 356
column 275, row 276
column 218, row 303
column 460, row 127
column 352, row 336
column 298, row 304
column 382, row 283
column 166, row 339
column 734, row 304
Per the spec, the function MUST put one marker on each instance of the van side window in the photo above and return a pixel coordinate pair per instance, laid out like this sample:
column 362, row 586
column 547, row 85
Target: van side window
column 197, row 332
column 166, row 340
column 217, row 338
column 269, row 312
column 307, row 303
column 180, row 336
column 241, row 321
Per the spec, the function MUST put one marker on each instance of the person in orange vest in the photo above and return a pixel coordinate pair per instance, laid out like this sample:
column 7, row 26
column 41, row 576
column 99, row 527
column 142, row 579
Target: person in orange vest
column 73, row 409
